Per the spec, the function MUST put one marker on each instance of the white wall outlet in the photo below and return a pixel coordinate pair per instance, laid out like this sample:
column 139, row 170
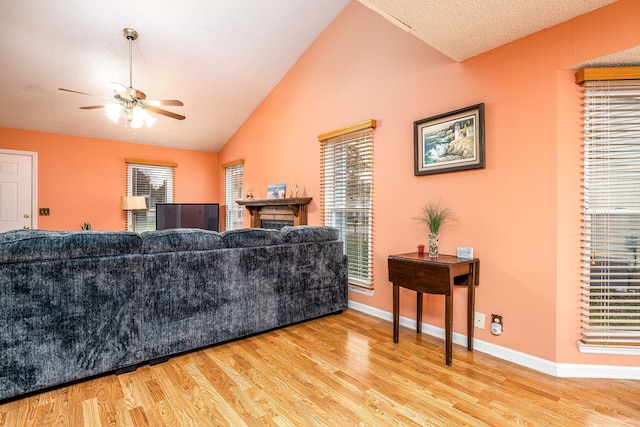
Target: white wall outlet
column 478, row 320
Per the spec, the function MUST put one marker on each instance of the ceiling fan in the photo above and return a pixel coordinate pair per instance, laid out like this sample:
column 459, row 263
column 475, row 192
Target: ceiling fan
column 131, row 103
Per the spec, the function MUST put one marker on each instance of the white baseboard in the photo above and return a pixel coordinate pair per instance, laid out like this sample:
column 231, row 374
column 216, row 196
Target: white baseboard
column 566, row 370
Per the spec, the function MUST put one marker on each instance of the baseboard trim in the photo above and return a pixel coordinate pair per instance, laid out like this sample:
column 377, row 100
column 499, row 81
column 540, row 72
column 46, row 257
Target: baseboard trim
column 565, row 370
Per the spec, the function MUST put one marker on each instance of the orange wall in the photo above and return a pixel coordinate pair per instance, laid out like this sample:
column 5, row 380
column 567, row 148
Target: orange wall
column 520, row 213
column 82, row 179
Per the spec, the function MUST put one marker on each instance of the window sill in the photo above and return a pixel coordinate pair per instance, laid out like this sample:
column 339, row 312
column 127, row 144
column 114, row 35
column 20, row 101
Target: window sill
column 604, row 349
column 360, row 290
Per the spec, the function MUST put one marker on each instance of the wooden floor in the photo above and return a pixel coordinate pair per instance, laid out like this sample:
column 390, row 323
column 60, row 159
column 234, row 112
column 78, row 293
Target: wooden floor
column 336, row 371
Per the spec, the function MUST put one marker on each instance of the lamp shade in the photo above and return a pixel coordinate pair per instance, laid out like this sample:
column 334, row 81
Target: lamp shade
column 133, row 203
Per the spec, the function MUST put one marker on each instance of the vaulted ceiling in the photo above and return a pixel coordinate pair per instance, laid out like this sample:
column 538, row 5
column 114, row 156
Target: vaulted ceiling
column 221, row 58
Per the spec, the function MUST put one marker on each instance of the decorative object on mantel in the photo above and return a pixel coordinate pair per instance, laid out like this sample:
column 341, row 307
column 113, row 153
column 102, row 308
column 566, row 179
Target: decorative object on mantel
column 276, row 191
column 449, row 142
column 85, row 226
column 435, row 215
column 293, row 195
column 250, row 193
column 420, row 249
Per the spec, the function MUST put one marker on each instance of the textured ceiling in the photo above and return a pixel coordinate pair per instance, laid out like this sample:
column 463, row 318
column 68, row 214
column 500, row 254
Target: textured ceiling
column 220, row 57
column 464, row 28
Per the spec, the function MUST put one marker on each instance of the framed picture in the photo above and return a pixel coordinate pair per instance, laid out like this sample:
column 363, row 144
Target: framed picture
column 449, row 142
column 276, row 191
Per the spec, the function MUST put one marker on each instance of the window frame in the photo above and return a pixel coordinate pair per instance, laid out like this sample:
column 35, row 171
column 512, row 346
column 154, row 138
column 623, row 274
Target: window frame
column 611, row 211
column 338, row 147
column 234, row 213
column 162, row 170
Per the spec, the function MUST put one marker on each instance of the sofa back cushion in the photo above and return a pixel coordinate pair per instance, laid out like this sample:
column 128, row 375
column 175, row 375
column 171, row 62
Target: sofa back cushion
column 40, row 245
column 308, row 233
column 250, row 237
column 180, row 239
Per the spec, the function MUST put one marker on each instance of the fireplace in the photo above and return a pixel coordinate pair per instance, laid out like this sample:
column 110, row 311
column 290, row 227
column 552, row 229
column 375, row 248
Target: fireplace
column 276, row 213
column 274, row 224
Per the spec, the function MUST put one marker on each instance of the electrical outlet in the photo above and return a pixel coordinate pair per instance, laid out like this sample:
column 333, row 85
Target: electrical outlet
column 44, row 211
column 478, row 320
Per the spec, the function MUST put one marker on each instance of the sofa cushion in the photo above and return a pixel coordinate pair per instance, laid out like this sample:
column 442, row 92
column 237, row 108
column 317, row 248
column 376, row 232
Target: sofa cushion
column 307, row 233
column 250, row 237
column 180, row 239
column 39, row 245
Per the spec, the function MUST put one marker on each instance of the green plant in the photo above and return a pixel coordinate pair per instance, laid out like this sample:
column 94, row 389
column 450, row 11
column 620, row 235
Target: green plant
column 85, row 226
column 434, row 215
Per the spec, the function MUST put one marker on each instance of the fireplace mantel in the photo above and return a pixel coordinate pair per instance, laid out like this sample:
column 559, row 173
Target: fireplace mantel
column 291, row 209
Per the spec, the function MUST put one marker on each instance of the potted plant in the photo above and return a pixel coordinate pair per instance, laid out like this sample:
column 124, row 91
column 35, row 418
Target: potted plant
column 434, row 215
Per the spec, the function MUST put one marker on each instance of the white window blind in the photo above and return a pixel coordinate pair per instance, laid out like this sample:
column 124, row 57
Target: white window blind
column 234, row 190
column 347, row 189
column 155, row 183
column 611, row 196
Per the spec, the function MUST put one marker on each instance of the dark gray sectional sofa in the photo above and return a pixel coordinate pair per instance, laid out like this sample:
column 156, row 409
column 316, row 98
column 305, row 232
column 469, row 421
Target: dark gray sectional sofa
column 83, row 303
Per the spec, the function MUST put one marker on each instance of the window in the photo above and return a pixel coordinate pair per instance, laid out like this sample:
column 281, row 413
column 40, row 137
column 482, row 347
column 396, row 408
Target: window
column 611, row 197
column 233, row 189
column 154, row 181
column 347, row 188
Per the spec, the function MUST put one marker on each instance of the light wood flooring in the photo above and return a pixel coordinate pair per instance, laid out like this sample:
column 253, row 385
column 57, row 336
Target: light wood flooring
column 339, row 370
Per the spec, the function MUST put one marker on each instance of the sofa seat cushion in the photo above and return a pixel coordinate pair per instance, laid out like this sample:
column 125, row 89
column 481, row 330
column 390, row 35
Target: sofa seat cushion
column 180, row 239
column 250, row 237
column 40, row 245
column 307, row 233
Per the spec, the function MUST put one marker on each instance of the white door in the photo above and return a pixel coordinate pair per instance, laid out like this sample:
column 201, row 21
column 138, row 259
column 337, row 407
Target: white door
column 17, row 195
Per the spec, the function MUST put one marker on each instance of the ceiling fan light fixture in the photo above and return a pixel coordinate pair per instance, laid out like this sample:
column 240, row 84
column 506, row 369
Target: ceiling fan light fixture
column 149, row 120
column 138, row 117
column 113, row 112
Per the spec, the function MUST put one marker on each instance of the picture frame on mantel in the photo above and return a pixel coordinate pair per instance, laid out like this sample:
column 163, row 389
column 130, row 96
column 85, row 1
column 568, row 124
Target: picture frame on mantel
column 450, row 142
column 276, row 191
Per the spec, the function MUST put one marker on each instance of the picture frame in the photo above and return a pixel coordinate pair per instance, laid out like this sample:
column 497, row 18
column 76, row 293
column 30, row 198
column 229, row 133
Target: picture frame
column 276, row 191
column 450, row 142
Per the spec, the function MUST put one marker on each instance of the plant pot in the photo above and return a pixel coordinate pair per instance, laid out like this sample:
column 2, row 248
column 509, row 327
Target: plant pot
column 433, row 245
column 420, row 249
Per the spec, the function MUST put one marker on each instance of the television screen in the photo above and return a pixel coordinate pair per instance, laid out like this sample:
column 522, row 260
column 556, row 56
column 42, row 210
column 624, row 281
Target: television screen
column 187, row 215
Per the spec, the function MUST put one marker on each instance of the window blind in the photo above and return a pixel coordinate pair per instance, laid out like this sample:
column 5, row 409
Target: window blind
column 611, row 197
column 234, row 190
column 155, row 183
column 347, row 189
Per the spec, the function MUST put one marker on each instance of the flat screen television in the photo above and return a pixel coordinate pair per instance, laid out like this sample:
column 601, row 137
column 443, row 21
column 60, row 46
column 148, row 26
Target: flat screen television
column 187, row 215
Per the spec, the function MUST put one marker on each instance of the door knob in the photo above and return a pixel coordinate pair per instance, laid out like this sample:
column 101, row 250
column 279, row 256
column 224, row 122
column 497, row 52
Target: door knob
column 26, row 215
column 26, row 227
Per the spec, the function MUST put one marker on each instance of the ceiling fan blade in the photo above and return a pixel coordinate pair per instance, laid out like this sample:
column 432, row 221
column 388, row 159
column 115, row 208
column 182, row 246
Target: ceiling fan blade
column 82, row 93
column 92, row 107
column 172, row 102
column 165, row 113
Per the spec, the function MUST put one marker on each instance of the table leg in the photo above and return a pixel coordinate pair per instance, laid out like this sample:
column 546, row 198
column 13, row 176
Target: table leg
column 449, row 328
column 419, row 312
column 396, row 312
column 471, row 303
